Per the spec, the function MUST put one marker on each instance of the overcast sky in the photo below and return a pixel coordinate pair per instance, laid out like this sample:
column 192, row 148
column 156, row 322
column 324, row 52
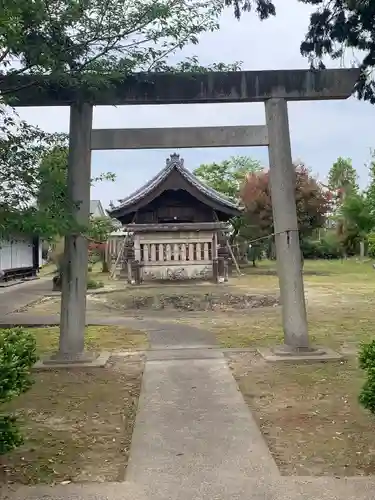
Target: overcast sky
column 320, row 131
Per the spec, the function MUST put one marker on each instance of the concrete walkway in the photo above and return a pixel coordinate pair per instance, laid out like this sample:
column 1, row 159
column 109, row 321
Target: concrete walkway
column 18, row 296
column 161, row 335
column 193, row 427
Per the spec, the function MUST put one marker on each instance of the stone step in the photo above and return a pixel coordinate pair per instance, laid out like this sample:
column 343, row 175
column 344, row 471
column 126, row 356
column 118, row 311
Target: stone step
column 183, row 354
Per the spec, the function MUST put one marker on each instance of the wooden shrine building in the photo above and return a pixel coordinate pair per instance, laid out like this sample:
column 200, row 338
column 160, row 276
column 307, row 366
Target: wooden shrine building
column 176, row 222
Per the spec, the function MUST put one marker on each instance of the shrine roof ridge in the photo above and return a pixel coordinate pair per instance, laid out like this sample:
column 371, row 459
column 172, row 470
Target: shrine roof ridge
column 174, row 162
column 177, row 227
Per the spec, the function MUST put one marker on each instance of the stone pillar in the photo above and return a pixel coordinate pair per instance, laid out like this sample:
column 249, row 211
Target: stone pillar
column 136, row 272
column 226, row 270
column 129, row 271
column 214, row 246
column 215, row 271
column 288, row 251
column 137, row 248
column 74, row 279
column 214, row 257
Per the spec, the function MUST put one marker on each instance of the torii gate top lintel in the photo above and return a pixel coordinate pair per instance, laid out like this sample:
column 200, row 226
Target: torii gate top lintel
column 187, row 88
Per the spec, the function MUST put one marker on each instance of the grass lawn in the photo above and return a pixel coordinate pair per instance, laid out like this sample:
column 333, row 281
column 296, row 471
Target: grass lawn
column 47, row 270
column 77, row 425
column 340, row 305
column 340, row 302
column 309, row 415
column 97, row 338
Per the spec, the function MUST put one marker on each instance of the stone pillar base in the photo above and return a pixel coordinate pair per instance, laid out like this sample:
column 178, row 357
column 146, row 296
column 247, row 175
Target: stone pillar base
column 220, row 269
column 84, row 359
column 287, row 350
column 136, row 273
column 289, row 354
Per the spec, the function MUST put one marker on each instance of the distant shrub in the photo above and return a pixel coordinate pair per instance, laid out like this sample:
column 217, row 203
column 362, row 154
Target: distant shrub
column 367, row 363
column 17, row 356
column 56, row 282
column 326, row 248
column 93, row 284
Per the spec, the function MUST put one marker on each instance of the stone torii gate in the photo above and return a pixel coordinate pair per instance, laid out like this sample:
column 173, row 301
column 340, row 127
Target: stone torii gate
column 274, row 88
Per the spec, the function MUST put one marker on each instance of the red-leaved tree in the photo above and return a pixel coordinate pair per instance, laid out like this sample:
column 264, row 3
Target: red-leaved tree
column 313, row 203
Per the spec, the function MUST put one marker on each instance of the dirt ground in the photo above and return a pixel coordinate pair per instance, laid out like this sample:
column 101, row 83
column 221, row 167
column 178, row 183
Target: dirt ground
column 149, row 299
column 309, row 415
column 77, row 424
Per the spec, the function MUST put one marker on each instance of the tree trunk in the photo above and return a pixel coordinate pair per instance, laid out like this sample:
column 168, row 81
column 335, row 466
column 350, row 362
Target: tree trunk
column 361, row 250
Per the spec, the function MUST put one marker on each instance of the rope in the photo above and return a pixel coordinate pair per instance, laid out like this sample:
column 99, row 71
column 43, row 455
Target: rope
column 270, row 235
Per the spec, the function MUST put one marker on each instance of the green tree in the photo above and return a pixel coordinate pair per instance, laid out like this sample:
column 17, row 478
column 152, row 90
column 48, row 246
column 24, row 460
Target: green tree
column 366, row 360
column 370, row 192
column 342, row 178
column 54, row 203
column 90, row 43
column 355, row 211
column 335, row 26
column 17, row 356
column 340, row 25
column 228, row 177
column 312, row 203
column 21, row 147
column 342, row 181
column 87, row 45
column 53, row 199
column 33, row 183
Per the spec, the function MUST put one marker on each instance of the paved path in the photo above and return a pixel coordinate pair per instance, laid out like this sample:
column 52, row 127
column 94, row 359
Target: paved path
column 162, row 335
column 194, row 437
column 275, row 488
column 193, row 427
column 18, row 296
